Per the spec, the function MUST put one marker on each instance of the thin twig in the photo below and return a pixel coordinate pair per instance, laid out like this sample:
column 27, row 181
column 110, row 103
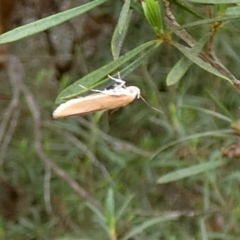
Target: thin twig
column 9, row 135
column 10, row 116
column 47, row 189
column 209, row 57
column 38, row 139
column 172, row 23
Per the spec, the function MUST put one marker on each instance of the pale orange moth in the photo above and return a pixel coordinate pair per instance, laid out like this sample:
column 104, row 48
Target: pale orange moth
column 107, row 99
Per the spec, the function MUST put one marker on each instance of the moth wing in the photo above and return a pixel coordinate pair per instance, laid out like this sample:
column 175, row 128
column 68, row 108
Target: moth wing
column 91, row 103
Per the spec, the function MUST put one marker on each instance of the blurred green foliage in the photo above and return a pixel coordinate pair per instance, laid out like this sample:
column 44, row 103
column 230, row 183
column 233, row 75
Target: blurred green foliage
column 154, row 175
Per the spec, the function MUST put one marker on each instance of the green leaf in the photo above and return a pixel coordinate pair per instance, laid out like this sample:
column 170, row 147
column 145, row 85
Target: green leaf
column 218, row 103
column 190, row 171
column 110, row 211
column 233, row 11
column 148, row 223
column 101, row 217
column 197, row 60
column 183, row 6
column 178, row 71
column 209, row 112
column 48, row 22
column 124, row 207
column 97, row 212
column 137, row 7
column 95, row 79
column 121, row 29
column 208, row 21
column 153, row 14
column 110, row 204
column 217, row 133
column 135, row 63
column 215, row 1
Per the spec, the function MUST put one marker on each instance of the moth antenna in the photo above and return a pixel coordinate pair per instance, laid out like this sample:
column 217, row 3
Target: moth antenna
column 150, row 105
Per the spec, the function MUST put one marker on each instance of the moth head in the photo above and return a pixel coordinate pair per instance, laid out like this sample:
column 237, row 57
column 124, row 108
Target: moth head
column 134, row 91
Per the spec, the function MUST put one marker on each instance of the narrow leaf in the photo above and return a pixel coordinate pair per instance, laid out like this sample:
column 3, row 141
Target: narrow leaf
column 95, row 79
column 183, row 6
column 197, row 60
column 97, row 212
column 110, row 204
column 209, row 112
column 136, row 62
column 121, row 29
column 189, row 171
column 179, row 70
column 139, row 229
column 208, row 21
column 233, row 11
column 153, row 14
column 124, row 207
column 48, row 22
column 214, row 1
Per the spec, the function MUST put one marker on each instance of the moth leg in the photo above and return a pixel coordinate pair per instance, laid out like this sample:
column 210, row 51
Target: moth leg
column 118, row 80
column 92, row 90
column 117, row 90
column 83, row 87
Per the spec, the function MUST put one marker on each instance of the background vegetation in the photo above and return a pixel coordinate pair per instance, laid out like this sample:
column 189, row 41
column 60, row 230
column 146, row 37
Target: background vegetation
column 133, row 173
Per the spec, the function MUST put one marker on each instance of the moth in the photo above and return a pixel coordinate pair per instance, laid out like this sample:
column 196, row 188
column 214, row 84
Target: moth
column 118, row 96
